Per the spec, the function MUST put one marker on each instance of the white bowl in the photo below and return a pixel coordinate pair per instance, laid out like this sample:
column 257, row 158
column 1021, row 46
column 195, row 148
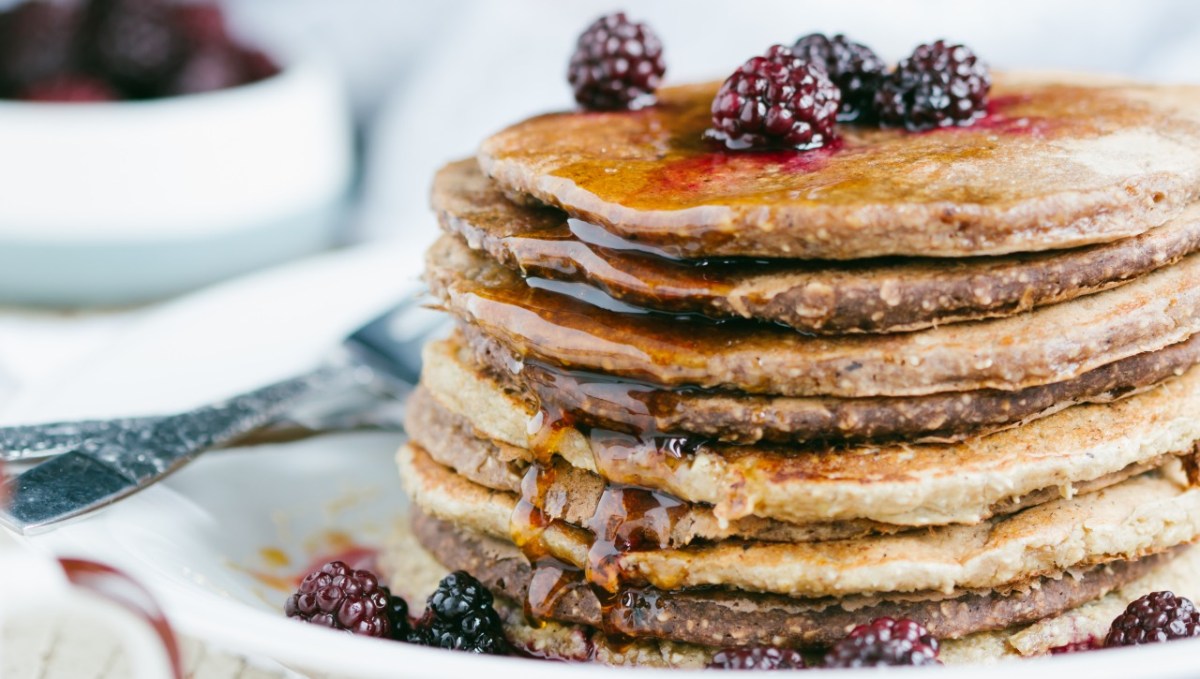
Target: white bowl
column 124, row 202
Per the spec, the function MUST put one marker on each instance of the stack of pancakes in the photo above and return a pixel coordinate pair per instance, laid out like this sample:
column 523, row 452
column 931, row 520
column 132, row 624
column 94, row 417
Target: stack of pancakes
column 702, row 399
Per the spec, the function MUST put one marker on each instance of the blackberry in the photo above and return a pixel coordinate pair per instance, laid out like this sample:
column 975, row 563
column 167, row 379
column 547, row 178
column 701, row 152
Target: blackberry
column 776, row 100
column 885, row 642
column 460, row 616
column 135, row 43
column 853, row 67
column 618, row 64
column 342, row 598
column 37, row 42
column 939, row 85
column 1159, row 616
column 398, row 614
column 68, row 88
column 758, row 658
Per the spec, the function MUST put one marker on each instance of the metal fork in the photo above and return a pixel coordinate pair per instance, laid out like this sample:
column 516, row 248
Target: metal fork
column 97, row 462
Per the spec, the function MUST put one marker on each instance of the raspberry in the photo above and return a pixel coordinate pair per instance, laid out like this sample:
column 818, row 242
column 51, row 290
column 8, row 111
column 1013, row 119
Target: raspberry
column 69, row 88
column 37, row 42
column 939, row 85
column 618, row 64
column 459, row 616
column 776, row 100
column 885, row 642
column 853, row 67
column 337, row 596
column 136, row 43
column 1159, row 616
column 759, row 658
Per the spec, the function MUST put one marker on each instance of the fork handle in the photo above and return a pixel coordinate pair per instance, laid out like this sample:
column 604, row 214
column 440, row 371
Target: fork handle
column 33, row 441
column 198, row 429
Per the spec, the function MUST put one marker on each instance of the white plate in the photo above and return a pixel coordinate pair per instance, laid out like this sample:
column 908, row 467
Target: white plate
column 196, row 542
column 197, row 539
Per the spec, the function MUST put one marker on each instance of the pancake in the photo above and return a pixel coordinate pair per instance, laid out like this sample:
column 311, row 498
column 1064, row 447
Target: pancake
column 562, row 492
column 1058, row 163
column 872, row 296
column 415, row 573
column 903, row 484
column 733, row 417
column 722, row 618
column 1051, row 344
column 1145, row 515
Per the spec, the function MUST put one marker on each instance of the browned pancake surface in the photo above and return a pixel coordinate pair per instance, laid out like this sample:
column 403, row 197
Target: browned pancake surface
column 1051, row 344
column 869, row 296
column 719, row 617
column 733, row 417
column 1059, row 163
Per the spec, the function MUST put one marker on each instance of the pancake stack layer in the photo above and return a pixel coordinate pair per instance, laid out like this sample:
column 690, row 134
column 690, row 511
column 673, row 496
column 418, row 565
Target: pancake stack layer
column 701, row 399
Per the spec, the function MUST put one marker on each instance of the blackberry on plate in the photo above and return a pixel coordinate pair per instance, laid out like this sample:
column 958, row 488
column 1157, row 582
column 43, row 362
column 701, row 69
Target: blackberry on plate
column 939, row 85
column 342, row 598
column 459, row 616
column 776, row 100
column 618, row 64
column 398, row 615
column 1158, row 616
column 885, row 642
column 852, row 66
column 758, row 658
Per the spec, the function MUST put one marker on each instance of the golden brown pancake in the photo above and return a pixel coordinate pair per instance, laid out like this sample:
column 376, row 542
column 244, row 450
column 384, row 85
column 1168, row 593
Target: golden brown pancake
column 730, row 416
column 1061, row 162
column 900, row 483
column 415, row 572
column 871, row 296
column 1145, row 515
column 1051, row 344
column 564, row 492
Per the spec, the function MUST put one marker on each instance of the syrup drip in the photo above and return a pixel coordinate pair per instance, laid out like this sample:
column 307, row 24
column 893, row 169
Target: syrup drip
column 627, row 518
column 547, row 429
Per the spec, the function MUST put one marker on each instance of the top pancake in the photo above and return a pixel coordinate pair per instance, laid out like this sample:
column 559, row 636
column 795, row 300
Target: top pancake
column 1060, row 162
column 871, row 296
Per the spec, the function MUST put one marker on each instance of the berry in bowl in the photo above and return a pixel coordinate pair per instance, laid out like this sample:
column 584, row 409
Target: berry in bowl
column 149, row 151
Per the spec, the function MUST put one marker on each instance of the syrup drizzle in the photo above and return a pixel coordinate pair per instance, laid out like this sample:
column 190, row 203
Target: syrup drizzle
column 626, row 518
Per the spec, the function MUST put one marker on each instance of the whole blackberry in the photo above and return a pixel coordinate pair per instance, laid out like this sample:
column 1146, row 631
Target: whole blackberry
column 398, row 614
column 1159, row 616
column 459, row 616
column 939, row 85
column 758, row 658
column 776, row 100
column 885, row 642
column 37, row 42
column 618, row 64
column 135, row 43
column 337, row 596
column 852, row 66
